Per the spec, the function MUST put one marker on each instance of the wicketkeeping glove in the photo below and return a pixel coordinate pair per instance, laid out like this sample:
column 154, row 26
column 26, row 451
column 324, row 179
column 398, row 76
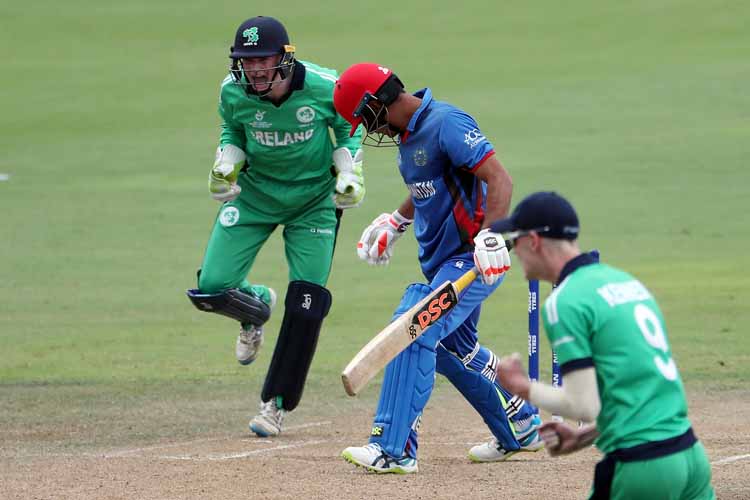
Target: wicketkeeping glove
column 350, row 179
column 222, row 180
column 490, row 256
column 376, row 244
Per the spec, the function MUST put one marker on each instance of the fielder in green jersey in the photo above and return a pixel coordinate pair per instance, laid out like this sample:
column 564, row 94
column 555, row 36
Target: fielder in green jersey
column 609, row 336
column 277, row 165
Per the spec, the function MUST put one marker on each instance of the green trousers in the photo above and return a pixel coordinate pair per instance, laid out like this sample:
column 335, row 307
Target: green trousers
column 685, row 475
column 310, row 222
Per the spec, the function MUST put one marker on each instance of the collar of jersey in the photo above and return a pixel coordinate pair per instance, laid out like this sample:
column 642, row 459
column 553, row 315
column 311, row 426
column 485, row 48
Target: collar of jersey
column 426, row 95
column 582, row 260
column 298, row 83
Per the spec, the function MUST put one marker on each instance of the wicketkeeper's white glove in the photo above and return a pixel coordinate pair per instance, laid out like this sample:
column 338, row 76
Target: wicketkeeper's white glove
column 350, row 179
column 376, row 244
column 222, row 180
column 490, row 256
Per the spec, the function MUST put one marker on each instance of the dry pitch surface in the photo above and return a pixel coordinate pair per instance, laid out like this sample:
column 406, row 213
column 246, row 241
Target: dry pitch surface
column 305, row 462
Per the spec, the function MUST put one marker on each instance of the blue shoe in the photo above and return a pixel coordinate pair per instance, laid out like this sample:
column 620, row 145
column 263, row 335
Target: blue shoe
column 528, row 437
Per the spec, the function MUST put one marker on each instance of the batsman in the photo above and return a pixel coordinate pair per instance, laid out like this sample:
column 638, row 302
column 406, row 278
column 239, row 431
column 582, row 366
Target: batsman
column 277, row 166
column 456, row 185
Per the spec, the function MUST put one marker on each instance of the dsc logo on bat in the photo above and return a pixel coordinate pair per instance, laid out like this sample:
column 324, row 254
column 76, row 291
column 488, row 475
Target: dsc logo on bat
column 434, row 309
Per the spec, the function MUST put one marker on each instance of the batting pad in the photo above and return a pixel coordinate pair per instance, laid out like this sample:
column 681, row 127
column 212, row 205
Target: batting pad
column 407, row 384
column 479, row 390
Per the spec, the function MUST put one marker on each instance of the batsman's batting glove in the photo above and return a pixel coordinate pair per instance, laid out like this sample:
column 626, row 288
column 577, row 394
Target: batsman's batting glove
column 350, row 179
column 376, row 244
column 490, row 256
column 222, row 180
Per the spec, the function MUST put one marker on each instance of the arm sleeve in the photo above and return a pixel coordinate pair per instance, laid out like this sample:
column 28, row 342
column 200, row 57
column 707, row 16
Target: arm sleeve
column 232, row 132
column 341, row 130
column 463, row 142
column 578, row 398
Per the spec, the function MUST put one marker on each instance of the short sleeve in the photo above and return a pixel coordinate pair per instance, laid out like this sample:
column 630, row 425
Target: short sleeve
column 568, row 328
column 232, row 132
column 462, row 140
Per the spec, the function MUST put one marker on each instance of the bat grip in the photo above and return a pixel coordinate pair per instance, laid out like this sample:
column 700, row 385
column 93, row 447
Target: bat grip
column 466, row 279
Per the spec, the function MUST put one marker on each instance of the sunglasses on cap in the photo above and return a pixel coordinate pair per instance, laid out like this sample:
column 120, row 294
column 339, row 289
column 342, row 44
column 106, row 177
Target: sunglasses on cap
column 512, row 237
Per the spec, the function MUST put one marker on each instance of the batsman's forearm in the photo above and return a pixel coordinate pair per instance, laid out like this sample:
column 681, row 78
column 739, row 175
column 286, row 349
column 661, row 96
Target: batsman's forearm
column 499, row 192
column 407, row 208
column 499, row 189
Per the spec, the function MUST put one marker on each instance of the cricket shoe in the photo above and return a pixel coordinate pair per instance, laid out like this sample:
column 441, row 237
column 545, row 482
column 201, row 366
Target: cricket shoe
column 373, row 458
column 527, row 434
column 251, row 338
column 493, row 451
column 268, row 422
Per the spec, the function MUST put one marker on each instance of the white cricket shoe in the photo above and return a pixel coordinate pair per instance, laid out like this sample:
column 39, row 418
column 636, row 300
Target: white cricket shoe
column 373, row 458
column 251, row 338
column 492, row 451
column 248, row 344
column 268, row 422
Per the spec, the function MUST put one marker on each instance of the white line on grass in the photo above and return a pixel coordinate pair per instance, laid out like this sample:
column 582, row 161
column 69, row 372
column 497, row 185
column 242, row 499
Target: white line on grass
column 135, row 451
column 305, row 426
column 232, row 456
column 727, row 460
column 4, row 177
column 122, row 453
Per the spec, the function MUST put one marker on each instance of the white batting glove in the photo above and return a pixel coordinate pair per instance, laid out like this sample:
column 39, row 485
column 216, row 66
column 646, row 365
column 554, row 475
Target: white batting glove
column 222, row 180
column 490, row 256
column 376, row 244
column 350, row 180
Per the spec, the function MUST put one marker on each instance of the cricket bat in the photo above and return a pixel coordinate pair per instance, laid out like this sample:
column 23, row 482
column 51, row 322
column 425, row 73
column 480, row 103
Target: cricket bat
column 404, row 330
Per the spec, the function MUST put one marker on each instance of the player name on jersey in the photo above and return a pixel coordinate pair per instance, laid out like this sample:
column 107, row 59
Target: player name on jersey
column 623, row 293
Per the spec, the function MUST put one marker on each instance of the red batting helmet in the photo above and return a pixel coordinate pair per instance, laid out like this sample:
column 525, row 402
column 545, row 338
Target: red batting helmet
column 360, row 84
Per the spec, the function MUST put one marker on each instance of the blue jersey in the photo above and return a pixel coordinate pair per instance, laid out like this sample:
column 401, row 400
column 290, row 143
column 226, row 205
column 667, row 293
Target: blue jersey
column 438, row 154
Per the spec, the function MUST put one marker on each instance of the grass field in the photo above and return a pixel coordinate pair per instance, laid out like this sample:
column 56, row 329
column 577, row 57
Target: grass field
column 639, row 112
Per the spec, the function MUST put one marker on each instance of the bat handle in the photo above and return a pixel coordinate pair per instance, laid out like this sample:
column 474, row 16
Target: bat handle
column 466, row 279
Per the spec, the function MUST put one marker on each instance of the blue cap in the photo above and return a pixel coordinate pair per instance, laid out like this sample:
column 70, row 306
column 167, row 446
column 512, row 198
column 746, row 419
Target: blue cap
column 546, row 213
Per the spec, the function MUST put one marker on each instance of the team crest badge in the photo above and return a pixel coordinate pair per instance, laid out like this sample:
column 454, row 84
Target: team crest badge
column 420, row 157
column 229, row 216
column 252, row 36
column 259, row 115
column 305, row 114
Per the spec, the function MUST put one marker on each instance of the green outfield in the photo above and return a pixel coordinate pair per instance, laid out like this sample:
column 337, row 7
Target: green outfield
column 639, row 112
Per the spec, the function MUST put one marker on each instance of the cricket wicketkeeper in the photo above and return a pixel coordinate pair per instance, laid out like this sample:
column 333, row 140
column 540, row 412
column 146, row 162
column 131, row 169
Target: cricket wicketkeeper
column 276, row 165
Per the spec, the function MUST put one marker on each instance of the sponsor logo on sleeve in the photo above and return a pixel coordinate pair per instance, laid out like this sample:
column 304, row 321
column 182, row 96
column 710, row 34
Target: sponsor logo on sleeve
column 473, row 138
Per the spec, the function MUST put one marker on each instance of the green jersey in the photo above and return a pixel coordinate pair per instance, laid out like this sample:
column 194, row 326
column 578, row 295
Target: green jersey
column 289, row 143
column 604, row 317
